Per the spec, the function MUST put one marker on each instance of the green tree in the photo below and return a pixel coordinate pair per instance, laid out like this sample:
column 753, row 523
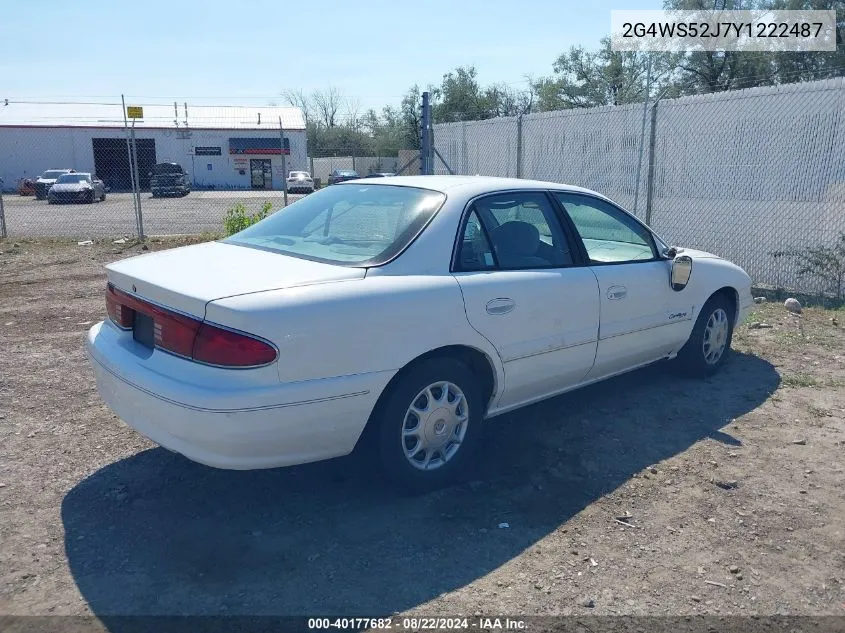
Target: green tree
column 716, row 71
column 586, row 79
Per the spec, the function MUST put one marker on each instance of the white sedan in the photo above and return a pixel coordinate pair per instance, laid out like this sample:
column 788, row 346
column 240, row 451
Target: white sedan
column 400, row 315
column 300, row 181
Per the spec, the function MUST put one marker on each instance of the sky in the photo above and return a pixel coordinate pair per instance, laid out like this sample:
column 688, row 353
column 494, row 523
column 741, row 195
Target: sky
column 231, row 52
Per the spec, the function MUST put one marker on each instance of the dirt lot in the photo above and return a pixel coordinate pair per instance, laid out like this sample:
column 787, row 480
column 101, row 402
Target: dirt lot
column 734, row 488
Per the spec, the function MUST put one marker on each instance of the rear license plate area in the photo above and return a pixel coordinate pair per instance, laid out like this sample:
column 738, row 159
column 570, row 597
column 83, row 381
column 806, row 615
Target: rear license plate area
column 143, row 330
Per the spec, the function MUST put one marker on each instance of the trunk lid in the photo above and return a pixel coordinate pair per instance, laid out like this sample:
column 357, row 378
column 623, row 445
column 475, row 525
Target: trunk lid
column 187, row 278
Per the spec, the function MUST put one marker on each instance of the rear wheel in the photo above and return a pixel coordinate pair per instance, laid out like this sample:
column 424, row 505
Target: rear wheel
column 103, row 197
column 430, row 426
column 709, row 344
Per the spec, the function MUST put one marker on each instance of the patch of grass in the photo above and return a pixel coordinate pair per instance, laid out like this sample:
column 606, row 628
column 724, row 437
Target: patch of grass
column 800, row 380
column 806, row 380
column 237, row 218
column 819, row 412
column 789, row 338
column 754, row 315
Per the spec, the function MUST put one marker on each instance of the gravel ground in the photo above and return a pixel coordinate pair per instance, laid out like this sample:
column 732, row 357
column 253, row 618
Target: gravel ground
column 199, row 211
column 648, row 494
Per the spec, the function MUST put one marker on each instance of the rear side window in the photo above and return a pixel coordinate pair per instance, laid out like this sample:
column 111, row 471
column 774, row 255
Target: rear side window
column 474, row 251
column 519, row 231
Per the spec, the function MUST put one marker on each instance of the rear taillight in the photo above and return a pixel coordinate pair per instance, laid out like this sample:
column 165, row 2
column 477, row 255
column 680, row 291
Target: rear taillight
column 189, row 337
column 121, row 315
column 218, row 346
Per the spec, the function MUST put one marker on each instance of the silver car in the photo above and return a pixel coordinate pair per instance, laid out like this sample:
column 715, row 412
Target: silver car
column 77, row 187
column 300, row 181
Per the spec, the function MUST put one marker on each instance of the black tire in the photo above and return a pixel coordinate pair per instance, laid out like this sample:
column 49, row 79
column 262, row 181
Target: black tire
column 391, row 419
column 91, row 198
column 103, row 197
column 692, row 359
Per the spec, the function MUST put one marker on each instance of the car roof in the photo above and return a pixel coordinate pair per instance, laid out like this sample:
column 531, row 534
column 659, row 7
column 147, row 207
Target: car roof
column 475, row 185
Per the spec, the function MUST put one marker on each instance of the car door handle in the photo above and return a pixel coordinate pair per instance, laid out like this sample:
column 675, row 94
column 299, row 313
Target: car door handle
column 617, row 292
column 502, row 305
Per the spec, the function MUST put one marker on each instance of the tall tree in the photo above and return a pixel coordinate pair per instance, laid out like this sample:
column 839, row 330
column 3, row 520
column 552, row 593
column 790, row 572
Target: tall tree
column 585, row 79
column 327, row 104
column 298, row 99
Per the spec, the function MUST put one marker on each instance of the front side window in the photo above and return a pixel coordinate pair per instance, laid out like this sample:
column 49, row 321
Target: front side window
column 363, row 225
column 517, row 231
column 609, row 234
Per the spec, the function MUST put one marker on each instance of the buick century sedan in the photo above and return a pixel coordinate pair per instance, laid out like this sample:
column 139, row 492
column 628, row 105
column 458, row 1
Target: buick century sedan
column 399, row 314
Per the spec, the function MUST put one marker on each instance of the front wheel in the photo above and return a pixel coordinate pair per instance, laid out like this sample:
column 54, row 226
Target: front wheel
column 430, row 426
column 709, row 344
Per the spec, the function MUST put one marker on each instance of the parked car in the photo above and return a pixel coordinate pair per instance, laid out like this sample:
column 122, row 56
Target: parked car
column 77, row 187
column 381, row 174
column 47, row 180
column 169, row 179
column 399, row 316
column 300, row 181
column 342, row 175
column 26, row 187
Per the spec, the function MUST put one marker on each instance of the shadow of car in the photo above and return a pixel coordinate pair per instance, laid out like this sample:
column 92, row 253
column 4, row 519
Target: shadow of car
column 157, row 534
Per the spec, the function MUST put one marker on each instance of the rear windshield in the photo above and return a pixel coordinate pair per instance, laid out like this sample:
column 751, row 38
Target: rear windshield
column 65, row 178
column 353, row 225
column 296, row 174
column 167, row 169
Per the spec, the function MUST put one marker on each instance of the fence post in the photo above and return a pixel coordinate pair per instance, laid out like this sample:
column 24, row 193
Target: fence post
column 519, row 146
column 652, row 138
column 137, row 183
column 642, row 135
column 2, row 214
column 131, row 167
column 425, row 145
column 284, row 162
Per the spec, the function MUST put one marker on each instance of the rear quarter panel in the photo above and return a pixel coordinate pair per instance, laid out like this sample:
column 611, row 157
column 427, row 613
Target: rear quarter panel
column 379, row 323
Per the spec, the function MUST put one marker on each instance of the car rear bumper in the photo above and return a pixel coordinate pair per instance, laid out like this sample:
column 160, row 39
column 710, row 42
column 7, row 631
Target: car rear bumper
column 168, row 191
column 70, row 196
column 242, row 429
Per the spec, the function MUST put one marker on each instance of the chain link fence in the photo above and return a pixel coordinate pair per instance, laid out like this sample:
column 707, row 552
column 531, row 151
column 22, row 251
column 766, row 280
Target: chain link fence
column 82, row 170
column 753, row 175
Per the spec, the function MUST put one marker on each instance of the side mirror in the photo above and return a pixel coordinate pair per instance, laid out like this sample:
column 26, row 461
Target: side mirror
column 681, row 272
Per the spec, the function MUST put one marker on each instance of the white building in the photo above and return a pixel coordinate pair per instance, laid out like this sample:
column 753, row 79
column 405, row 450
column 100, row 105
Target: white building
column 219, row 147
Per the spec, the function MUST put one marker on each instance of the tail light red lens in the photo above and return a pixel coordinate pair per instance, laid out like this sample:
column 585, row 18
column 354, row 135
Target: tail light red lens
column 120, row 314
column 217, row 346
column 189, row 337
